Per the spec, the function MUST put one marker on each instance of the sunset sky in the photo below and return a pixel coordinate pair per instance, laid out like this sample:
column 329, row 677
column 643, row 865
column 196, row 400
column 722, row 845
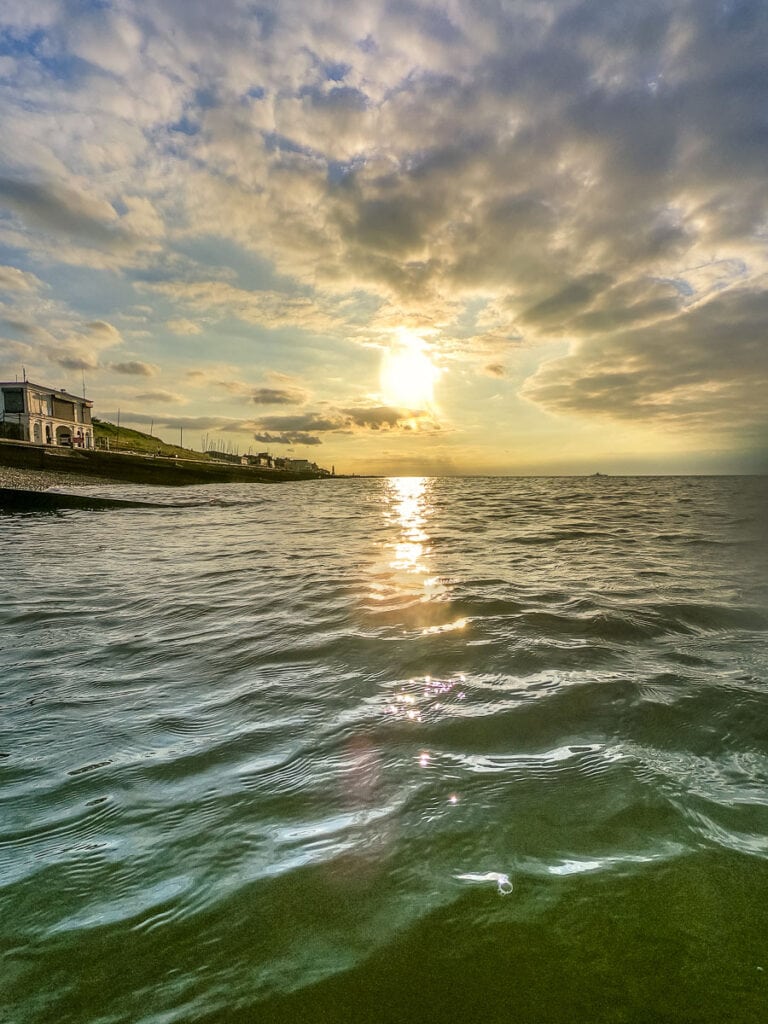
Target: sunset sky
column 395, row 237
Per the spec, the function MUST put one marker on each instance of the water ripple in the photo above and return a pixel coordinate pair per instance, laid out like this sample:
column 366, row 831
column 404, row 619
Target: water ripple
column 271, row 751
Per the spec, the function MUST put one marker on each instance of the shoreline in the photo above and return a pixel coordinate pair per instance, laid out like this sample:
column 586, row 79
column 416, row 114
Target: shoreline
column 84, row 467
column 19, row 478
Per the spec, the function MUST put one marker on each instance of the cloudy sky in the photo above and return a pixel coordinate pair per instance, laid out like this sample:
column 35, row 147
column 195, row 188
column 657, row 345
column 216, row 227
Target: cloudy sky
column 394, row 236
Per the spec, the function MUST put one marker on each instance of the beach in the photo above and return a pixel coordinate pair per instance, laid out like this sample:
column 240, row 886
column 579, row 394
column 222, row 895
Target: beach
column 43, row 479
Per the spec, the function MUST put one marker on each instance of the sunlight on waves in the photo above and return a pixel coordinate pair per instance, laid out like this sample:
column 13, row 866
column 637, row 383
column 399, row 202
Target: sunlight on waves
column 408, row 502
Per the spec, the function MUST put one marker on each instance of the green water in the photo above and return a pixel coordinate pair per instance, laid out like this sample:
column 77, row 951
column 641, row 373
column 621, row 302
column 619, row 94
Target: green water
column 407, row 750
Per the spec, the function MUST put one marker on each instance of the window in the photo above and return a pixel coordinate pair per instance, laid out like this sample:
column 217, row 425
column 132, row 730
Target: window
column 14, row 399
column 63, row 410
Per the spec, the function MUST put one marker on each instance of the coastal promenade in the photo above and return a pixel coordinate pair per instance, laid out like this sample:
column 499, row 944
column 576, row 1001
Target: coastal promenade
column 37, row 467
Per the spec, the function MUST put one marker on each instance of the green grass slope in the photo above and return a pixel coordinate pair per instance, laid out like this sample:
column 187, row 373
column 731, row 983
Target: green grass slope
column 126, row 439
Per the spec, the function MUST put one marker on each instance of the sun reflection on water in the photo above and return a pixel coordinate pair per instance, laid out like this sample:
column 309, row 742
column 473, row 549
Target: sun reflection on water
column 408, row 501
column 408, row 556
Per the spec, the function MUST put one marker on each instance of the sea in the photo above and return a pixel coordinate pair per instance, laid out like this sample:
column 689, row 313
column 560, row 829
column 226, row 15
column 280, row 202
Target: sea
column 468, row 751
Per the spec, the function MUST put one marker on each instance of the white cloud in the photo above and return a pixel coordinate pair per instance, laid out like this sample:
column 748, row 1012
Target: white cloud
column 183, row 326
column 14, row 280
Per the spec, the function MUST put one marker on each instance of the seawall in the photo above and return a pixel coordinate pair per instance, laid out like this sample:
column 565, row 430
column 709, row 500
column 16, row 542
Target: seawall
column 140, row 469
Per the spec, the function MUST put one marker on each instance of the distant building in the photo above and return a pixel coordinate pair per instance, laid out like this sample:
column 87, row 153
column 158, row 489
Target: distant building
column 305, row 466
column 266, row 461
column 263, row 459
column 238, row 460
column 42, row 415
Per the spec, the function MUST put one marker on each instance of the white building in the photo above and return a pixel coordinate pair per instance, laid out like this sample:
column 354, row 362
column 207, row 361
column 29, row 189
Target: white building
column 300, row 465
column 41, row 415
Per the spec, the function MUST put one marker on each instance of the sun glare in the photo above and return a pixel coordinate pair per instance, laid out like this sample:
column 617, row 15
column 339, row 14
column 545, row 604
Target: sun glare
column 408, row 375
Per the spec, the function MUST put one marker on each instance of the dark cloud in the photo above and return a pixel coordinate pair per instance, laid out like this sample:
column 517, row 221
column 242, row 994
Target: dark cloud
column 288, row 437
column 278, row 396
column 349, row 420
column 134, row 368
column 57, row 208
column 429, row 20
column 628, row 304
column 567, row 301
column 706, row 368
column 395, row 224
column 495, row 369
column 341, row 97
column 378, row 417
column 74, row 362
column 157, row 396
column 303, row 422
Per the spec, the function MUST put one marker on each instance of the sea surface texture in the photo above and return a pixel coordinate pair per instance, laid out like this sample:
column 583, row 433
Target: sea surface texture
column 405, row 750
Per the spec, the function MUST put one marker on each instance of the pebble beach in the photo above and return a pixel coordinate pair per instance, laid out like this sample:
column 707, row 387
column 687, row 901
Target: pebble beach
column 43, row 479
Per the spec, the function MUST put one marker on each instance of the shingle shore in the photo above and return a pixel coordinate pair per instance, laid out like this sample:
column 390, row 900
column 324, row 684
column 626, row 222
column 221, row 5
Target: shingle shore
column 42, row 479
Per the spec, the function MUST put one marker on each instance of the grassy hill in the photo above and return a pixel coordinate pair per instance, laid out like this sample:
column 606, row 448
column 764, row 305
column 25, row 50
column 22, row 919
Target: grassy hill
column 135, row 441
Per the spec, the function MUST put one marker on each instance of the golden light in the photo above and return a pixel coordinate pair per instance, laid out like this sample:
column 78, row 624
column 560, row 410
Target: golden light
column 411, row 546
column 408, row 375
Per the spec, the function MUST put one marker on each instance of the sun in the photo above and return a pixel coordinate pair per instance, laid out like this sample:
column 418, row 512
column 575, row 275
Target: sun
column 408, row 375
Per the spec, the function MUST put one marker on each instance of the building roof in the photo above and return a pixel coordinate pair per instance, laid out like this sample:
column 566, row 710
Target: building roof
column 56, row 392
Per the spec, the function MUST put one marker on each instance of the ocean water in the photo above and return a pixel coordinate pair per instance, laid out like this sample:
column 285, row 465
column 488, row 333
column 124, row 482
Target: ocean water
column 405, row 750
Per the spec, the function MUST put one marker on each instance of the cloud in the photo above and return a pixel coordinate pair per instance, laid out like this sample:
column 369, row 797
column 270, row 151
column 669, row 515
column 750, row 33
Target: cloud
column 287, row 437
column 29, row 329
column 679, row 372
column 13, row 353
column 76, row 348
column 495, row 369
column 102, row 332
column 67, row 343
column 267, row 307
column 14, row 280
column 158, row 396
column 56, row 219
column 292, row 395
column 134, row 368
column 105, row 38
column 279, row 396
column 58, row 208
column 379, row 417
column 75, row 362
column 183, row 326
column 82, row 348
column 303, row 422
column 361, row 419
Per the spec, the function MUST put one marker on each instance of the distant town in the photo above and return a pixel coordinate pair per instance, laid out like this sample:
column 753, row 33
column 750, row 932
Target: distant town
column 266, row 461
